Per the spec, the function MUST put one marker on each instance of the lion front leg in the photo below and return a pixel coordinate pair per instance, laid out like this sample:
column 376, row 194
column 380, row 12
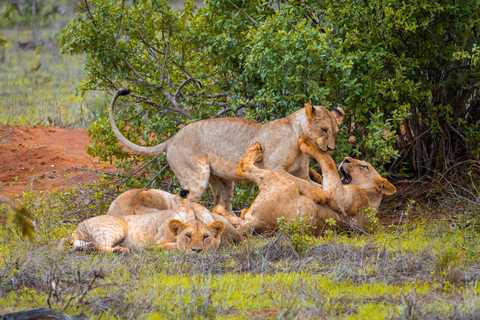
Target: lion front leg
column 331, row 179
column 165, row 244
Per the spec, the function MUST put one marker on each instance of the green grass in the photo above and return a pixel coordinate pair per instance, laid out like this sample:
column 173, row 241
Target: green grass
column 45, row 96
column 425, row 269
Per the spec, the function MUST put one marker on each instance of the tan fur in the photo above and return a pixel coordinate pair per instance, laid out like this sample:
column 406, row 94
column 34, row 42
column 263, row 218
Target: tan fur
column 209, row 151
column 189, row 227
column 315, row 176
column 141, row 201
column 365, row 190
column 279, row 197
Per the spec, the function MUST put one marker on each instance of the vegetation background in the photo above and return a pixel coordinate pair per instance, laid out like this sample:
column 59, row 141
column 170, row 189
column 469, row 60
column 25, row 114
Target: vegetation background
column 407, row 76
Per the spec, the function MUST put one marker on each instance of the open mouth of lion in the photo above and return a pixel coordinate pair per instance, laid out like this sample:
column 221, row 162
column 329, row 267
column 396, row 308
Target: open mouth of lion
column 346, row 177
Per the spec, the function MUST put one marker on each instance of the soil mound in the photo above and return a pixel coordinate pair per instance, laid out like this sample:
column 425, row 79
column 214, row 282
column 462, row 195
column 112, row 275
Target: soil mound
column 42, row 158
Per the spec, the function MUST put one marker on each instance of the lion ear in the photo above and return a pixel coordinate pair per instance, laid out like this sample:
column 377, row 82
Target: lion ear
column 384, row 186
column 176, row 226
column 217, row 227
column 338, row 113
column 310, row 111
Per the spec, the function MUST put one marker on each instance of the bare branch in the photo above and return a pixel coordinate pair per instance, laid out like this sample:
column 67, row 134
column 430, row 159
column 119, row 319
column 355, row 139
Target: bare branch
column 222, row 112
column 120, row 23
column 220, row 95
column 471, row 87
column 184, row 83
column 167, row 94
column 148, row 101
column 138, row 74
column 166, row 55
column 243, row 12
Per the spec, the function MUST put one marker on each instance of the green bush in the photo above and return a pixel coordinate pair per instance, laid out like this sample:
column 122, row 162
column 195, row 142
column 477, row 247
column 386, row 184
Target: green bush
column 298, row 231
column 406, row 74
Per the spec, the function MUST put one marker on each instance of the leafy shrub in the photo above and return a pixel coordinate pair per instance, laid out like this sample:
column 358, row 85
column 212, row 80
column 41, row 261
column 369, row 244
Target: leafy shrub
column 407, row 75
column 298, row 232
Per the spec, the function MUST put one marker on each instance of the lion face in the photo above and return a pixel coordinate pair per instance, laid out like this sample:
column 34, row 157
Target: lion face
column 321, row 126
column 363, row 175
column 195, row 235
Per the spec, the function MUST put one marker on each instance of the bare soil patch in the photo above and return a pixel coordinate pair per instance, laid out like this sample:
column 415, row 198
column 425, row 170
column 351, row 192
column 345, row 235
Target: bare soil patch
column 31, row 158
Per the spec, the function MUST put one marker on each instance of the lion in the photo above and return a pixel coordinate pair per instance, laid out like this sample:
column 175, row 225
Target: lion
column 208, row 151
column 142, row 201
column 191, row 227
column 362, row 186
column 279, row 197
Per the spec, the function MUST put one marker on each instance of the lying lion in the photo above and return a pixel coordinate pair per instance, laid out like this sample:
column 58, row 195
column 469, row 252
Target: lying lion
column 208, row 151
column 361, row 187
column 189, row 227
column 278, row 197
column 141, row 201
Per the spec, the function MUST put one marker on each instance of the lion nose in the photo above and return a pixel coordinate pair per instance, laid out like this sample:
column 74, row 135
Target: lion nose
column 346, row 160
column 197, row 250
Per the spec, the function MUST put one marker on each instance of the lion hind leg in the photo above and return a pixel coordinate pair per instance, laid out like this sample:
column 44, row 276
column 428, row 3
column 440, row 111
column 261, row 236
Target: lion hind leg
column 101, row 233
column 221, row 210
column 253, row 225
column 193, row 174
column 222, row 191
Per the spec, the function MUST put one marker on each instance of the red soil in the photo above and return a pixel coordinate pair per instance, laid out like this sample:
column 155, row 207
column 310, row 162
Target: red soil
column 32, row 158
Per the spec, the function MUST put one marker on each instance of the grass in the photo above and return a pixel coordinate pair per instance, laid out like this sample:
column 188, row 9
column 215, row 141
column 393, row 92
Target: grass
column 37, row 87
column 425, row 269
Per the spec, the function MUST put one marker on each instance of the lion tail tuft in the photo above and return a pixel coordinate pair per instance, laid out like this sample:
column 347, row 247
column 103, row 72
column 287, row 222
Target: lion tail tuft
column 124, row 92
column 184, row 193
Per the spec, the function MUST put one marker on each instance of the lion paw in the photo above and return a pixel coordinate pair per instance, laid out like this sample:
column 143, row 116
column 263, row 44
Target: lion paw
column 254, row 153
column 318, row 195
column 120, row 250
column 86, row 247
column 307, row 145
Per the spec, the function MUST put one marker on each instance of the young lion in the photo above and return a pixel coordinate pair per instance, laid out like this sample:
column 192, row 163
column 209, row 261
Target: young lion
column 189, row 227
column 362, row 187
column 279, row 197
column 141, row 201
column 208, row 151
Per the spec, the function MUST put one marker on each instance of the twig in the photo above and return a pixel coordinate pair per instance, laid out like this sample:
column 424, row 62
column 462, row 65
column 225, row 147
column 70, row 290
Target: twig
column 243, row 12
column 165, row 56
column 156, row 175
column 184, row 83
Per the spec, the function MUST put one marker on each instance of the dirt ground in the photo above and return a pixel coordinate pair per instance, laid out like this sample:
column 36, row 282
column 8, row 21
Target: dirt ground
column 31, row 158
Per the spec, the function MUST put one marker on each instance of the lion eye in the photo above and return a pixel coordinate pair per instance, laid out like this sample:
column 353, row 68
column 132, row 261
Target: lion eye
column 365, row 167
column 325, row 131
column 189, row 236
column 205, row 237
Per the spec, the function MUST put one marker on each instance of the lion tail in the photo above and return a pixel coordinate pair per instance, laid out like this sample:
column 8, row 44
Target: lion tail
column 156, row 150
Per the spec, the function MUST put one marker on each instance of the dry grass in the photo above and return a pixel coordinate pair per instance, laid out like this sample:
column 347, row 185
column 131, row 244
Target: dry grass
column 38, row 87
column 425, row 269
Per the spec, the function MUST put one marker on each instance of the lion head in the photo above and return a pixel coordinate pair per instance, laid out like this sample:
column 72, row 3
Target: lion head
column 363, row 175
column 196, row 235
column 321, row 125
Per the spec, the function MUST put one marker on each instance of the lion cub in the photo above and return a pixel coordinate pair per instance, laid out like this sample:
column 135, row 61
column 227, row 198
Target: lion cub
column 189, row 227
column 361, row 187
column 141, row 201
column 279, row 197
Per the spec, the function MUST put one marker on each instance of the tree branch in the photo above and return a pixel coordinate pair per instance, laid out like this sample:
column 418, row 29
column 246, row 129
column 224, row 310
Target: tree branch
column 243, row 12
column 184, row 83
